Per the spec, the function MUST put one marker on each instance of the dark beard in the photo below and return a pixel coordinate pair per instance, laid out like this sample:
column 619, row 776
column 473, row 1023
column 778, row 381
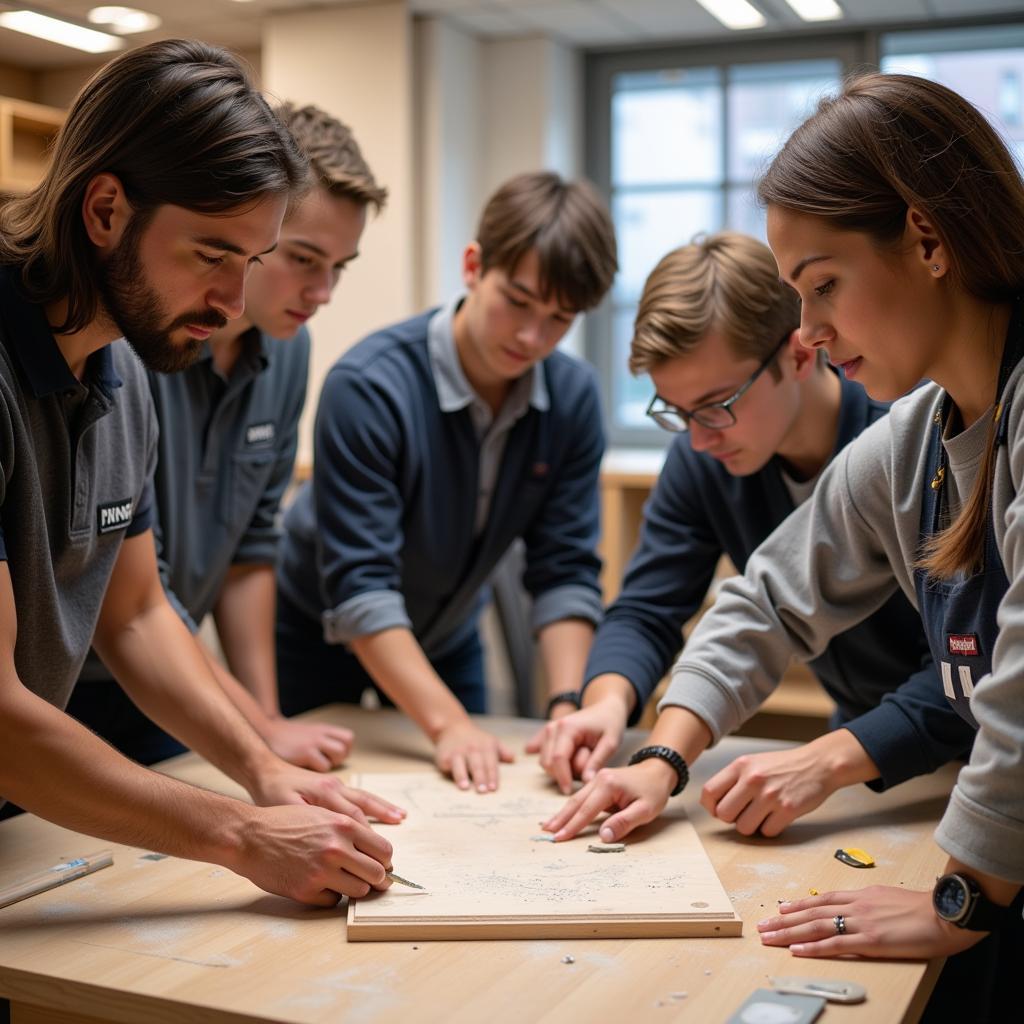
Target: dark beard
column 136, row 309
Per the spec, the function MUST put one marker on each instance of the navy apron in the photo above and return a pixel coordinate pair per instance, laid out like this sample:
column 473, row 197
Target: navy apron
column 959, row 614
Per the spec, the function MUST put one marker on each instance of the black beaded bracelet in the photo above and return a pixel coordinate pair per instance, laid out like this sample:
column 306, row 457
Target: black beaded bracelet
column 567, row 697
column 672, row 757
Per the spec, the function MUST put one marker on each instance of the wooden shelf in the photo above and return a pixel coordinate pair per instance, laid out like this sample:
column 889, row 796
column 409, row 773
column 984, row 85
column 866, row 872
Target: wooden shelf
column 26, row 132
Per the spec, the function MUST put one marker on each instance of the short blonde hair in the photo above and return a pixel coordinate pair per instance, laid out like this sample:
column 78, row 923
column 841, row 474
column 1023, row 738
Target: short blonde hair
column 727, row 282
column 335, row 160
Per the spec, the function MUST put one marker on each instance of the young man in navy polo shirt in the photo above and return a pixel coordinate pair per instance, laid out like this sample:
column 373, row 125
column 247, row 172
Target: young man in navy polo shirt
column 439, row 442
column 169, row 179
column 228, row 436
column 717, row 331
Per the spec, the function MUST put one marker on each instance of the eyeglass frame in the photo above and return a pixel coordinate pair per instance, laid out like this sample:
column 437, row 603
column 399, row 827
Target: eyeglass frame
column 726, row 404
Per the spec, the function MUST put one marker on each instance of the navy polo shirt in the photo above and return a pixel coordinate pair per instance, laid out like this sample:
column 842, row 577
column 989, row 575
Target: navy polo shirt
column 75, row 460
column 388, row 534
column 880, row 673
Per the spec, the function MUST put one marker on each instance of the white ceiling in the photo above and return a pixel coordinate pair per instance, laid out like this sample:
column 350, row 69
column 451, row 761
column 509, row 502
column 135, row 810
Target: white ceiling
column 579, row 22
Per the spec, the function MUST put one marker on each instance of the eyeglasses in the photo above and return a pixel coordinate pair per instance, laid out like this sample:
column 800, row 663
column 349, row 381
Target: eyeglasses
column 713, row 415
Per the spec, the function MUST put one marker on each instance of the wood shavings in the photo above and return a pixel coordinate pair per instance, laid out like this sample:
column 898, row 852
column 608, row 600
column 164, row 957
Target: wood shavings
column 606, row 847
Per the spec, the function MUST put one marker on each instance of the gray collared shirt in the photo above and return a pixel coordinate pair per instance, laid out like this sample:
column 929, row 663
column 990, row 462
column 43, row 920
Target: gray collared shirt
column 454, row 392
column 75, row 462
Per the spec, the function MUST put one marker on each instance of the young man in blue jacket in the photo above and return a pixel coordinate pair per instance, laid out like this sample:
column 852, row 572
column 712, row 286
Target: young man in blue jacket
column 228, row 436
column 440, row 441
column 759, row 417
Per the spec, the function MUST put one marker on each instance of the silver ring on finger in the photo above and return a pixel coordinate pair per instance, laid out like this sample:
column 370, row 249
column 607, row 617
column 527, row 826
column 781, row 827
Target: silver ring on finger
column 840, row 922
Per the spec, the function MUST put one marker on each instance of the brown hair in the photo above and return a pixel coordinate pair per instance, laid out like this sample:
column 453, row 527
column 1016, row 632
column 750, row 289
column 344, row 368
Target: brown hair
column 890, row 142
column 568, row 225
column 335, row 159
column 178, row 122
column 727, row 282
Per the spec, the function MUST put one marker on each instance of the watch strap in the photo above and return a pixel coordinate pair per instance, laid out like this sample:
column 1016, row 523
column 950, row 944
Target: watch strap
column 985, row 916
column 672, row 757
column 566, row 697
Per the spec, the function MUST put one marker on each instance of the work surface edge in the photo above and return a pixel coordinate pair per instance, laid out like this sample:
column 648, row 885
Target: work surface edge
column 504, row 980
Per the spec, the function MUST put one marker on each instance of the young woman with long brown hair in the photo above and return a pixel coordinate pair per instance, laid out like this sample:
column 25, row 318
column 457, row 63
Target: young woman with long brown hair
column 897, row 214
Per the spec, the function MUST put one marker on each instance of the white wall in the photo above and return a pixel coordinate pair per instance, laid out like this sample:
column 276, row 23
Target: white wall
column 487, row 109
column 356, row 63
column 448, row 139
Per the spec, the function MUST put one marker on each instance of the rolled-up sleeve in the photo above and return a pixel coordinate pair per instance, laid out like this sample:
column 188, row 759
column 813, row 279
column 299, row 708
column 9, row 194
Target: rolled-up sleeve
column 359, row 508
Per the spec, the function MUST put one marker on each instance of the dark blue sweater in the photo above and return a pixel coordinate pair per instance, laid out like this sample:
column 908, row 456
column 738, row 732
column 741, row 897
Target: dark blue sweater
column 879, row 673
column 391, row 510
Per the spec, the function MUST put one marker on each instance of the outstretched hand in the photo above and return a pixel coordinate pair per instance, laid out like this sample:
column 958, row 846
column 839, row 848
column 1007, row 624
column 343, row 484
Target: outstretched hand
column 635, row 795
column 470, row 755
column 580, row 743
column 880, row 921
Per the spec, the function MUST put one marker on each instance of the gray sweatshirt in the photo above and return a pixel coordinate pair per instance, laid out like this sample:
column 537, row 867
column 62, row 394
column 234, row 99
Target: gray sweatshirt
column 835, row 561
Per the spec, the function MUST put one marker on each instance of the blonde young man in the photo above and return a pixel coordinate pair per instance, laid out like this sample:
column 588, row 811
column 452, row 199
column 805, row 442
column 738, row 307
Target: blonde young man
column 759, row 417
column 228, row 434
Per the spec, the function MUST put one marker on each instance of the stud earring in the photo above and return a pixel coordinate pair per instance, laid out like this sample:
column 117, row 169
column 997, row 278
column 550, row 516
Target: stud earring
column 936, row 268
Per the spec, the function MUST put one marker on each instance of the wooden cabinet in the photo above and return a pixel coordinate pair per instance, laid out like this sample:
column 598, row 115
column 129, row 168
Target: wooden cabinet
column 26, row 132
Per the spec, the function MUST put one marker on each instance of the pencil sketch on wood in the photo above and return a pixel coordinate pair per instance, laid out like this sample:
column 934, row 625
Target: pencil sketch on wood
column 486, row 877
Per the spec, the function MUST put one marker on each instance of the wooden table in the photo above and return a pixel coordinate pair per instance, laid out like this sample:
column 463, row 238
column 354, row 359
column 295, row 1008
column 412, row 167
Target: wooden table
column 161, row 941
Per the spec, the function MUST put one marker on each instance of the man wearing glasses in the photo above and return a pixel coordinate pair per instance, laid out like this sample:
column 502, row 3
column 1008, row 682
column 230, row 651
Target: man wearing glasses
column 757, row 417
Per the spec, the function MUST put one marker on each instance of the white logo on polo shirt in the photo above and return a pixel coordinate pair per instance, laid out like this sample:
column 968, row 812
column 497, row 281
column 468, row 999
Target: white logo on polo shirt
column 259, row 433
column 115, row 515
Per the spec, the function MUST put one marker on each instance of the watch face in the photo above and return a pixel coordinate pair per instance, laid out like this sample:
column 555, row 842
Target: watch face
column 950, row 898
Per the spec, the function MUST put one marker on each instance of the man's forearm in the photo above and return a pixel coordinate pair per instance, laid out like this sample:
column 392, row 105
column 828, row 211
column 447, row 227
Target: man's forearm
column 844, row 757
column 681, row 730
column 236, row 692
column 611, row 686
column 564, row 647
column 397, row 664
column 163, row 669
column 244, row 614
column 103, row 794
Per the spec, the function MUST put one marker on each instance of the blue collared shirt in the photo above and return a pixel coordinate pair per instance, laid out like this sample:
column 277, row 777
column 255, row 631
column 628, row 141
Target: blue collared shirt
column 454, row 392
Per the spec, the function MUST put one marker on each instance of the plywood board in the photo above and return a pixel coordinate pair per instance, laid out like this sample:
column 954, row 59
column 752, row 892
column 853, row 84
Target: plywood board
column 487, row 878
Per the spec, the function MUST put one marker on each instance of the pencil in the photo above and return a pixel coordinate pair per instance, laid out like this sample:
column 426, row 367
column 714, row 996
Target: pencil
column 59, row 874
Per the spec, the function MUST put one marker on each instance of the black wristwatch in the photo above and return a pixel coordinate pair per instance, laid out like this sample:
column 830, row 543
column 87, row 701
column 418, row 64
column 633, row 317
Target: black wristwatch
column 566, row 697
column 672, row 757
column 959, row 900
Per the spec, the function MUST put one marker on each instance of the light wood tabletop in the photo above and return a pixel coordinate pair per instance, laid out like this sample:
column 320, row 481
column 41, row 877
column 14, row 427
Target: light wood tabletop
column 167, row 940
